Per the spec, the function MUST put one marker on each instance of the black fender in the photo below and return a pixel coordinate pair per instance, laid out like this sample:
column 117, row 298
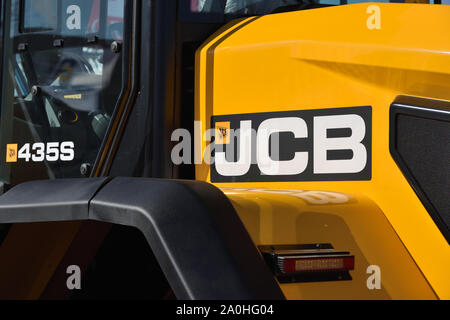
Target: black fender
column 196, row 235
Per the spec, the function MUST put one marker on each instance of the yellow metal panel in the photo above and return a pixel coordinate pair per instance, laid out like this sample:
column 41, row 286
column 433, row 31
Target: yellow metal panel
column 293, row 216
column 330, row 58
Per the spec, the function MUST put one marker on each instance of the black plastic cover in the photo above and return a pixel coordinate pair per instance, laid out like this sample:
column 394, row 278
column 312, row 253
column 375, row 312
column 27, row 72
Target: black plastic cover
column 420, row 145
column 196, row 235
column 49, row 200
column 194, row 231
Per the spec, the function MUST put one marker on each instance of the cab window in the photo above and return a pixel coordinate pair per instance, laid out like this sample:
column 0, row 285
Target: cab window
column 222, row 10
column 61, row 83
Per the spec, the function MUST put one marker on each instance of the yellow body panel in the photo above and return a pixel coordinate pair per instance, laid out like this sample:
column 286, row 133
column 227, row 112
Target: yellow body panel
column 330, row 58
column 293, row 216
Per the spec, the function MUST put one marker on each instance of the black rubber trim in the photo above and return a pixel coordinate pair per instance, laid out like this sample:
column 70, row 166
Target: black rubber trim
column 421, row 108
column 196, row 235
column 49, row 200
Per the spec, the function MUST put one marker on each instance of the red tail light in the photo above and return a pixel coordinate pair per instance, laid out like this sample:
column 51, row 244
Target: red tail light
column 317, row 264
column 308, row 262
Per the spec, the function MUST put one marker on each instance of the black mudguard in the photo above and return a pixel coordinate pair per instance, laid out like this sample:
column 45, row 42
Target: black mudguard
column 191, row 226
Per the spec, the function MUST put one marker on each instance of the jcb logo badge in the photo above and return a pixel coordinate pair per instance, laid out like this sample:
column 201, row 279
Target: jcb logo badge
column 11, row 153
column 222, row 132
column 304, row 145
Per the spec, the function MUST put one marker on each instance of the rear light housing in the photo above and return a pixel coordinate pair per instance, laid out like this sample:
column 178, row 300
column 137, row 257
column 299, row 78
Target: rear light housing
column 308, row 262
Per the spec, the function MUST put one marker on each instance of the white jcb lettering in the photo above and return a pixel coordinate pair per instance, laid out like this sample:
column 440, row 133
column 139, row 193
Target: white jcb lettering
column 264, row 147
column 74, row 20
column 240, row 167
column 322, row 144
column 266, row 164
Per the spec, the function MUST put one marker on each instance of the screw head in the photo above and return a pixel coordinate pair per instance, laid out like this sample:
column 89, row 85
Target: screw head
column 58, row 43
column 22, row 46
column 85, row 169
column 35, row 91
column 116, row 46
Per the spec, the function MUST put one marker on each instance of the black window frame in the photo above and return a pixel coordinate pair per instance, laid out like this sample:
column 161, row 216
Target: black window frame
column 126, row 100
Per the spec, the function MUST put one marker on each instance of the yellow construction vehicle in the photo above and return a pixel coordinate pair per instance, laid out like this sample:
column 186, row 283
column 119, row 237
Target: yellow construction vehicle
column 225, row 149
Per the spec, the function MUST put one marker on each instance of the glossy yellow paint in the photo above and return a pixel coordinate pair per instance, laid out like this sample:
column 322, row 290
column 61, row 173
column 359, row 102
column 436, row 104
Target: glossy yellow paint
column 330, row 58
column 293, row 216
